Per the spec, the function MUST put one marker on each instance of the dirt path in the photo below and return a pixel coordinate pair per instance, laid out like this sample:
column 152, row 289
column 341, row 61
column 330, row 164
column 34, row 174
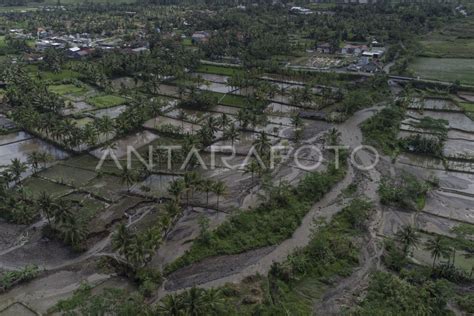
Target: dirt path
column 371, row 253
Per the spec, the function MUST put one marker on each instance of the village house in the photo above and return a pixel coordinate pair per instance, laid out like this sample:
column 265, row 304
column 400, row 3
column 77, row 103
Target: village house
column 351, row 49
column 200, row 37
column 78, row 53
column 300, row 10
column 324, row 48
column 374, row 53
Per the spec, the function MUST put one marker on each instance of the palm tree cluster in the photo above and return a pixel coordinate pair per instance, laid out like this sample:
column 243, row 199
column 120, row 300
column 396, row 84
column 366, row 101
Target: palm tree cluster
column 136, row 249
column 14, row 204
column 190, row 183
column 63, row 219
column 18, row 207
column 437, row 246
column 195, row 301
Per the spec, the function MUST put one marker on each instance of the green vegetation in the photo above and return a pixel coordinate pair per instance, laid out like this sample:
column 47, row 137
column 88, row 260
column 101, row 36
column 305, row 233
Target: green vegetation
column 407, row 192
column 64, row 89
column 34, row 186
column 444, row 69
column 220, row 70
column 11, row 278
column 111, row 301
column 466, row 302
column 381, row 130
column 390, row 295
column 469, row 108
column 455, row 40
column 295, row 284
column 230, row 99
column 268, row 224
column 106, row 101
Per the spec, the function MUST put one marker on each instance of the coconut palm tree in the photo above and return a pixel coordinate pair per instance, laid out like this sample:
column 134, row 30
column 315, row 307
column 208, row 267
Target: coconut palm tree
column 437, row 247
column 194, row 302
column 219, row 188
column 191, row 181
column 253, row 167
column 44, row 158
column 105, row 125
column 231, row 133
column 176, row 188
column 182, row 116
column 262, row 144
column 212, row 124
column 224, row 121
column 73, row 232
column 333, row 136
column 63, row 212
column 206, row 186
column 172, row 305
column 408, row 237
column 34, row 160
column 214, row 301
column 296, row 121
column 17, row 168
column 121, row 239
column 128, row 177
column 46, row 206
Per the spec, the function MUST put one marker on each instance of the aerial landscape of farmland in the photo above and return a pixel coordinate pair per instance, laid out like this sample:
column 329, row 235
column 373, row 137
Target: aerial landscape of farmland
column 191, row 157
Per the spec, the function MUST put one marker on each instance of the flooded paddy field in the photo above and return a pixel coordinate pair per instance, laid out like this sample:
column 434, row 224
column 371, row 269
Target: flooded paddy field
column 162, row 122
column 457, row 121
column 155, row 185
column 6, row 124
column 188, row 115
column 113, row 112
column 462, row 259
column 435, row 104
column 67, row 175
column 20, row 144
column 217, row 87
column 107, row 187
column 168, row 90
column 225, row 109
column 450, row 203
column 76, row 107
column 210, row 77
column 281, row 109
column 35, row 186
column 120, row 146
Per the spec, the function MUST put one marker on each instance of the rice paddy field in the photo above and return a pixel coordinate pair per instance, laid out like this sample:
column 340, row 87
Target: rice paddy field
column 454, row 41
column 444, row 69
column 106, row 101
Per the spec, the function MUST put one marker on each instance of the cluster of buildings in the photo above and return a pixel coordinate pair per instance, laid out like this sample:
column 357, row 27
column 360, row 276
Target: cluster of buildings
column 200, row 37
column 368, row 56
column 78, row 45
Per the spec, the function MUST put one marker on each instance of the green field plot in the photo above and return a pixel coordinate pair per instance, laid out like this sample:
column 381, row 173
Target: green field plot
column 106, row 101
column 107, row 187
column 229, row 99
column 63, row 89
column 469, row 108
column 68, row 175
column 83, row 121
column 34, row 187
column 219, row 70
column 90, row 163
column 88, row 206
column 444, row 69
column 456, row 40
